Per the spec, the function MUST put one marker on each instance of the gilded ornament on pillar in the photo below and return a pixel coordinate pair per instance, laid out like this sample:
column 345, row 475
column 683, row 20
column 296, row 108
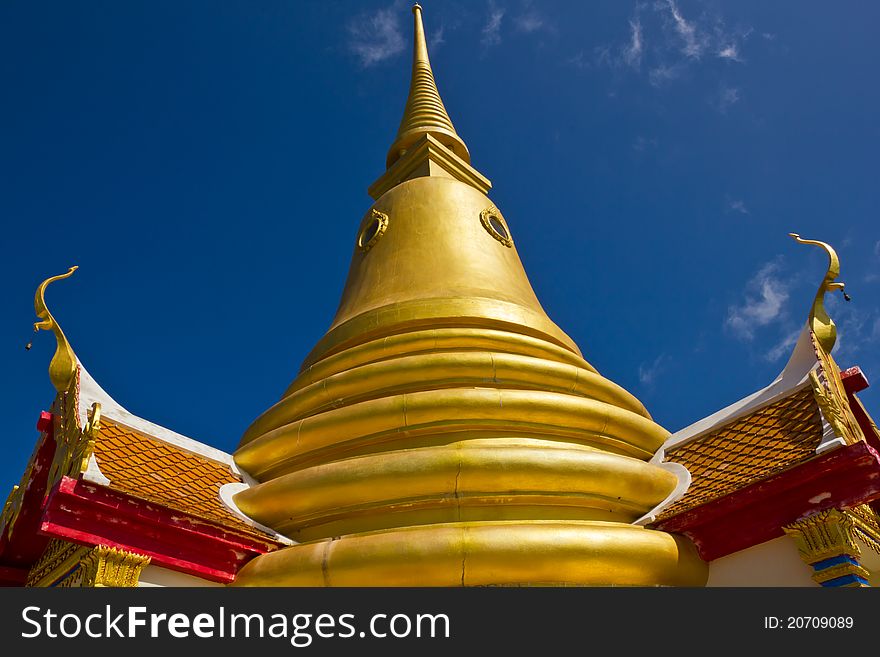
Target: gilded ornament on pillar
column 57, row 565
column 826, row 541
column 111, row 567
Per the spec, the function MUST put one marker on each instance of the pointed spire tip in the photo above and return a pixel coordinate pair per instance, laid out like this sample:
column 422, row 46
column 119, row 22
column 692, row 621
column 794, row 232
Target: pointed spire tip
column 424, row 112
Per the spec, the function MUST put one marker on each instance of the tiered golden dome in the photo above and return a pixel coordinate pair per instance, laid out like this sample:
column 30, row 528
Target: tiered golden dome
column 445, row 431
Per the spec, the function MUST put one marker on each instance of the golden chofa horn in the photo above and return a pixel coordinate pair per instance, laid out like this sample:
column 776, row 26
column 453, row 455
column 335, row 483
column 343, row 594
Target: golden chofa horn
column 62, row 367
column 819, row 321
column 445, row 431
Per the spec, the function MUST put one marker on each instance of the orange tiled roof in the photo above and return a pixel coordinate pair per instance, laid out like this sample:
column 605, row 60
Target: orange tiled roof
column 163, row 473
column 749, row 449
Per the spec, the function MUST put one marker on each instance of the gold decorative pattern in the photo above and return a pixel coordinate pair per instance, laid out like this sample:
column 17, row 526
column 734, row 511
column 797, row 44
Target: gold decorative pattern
column 866, row 525
column 12, row 506
column 159, row 472
column 486, row 217
column 365, row 242
column 825, row 535
column 841, row 570
column 74, row 446
column 56, row 564
column 62, row 368
column 768, row 441
column 832, row 398
column 111, row 567
column 93, row 423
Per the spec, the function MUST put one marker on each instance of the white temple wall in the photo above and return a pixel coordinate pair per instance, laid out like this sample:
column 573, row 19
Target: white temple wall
column 774, row 563
column 158, row 576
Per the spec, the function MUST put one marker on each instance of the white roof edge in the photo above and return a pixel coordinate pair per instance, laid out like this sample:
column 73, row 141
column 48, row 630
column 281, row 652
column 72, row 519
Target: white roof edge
column 684, row 482
column 794, row 376
column 227, row 496
column 90, row 392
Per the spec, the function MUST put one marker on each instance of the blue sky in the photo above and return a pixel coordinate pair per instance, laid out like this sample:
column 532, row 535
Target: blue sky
column 206, row 166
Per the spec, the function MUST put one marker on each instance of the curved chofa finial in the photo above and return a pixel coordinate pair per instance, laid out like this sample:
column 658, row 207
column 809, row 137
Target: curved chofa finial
column 63, row 365
column 424, row 112
column 820, row 323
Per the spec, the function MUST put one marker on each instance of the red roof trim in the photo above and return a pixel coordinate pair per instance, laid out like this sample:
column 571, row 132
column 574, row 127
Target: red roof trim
column 842, row 478
column 86, row 513
column 24, row 546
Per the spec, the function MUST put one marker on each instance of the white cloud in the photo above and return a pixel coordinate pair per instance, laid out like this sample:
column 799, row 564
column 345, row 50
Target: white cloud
column 877, row 249
column 632, row 54
column 492, row 28
column 668, row 42
column 376, row 37
column 642, row 144
column 730, row 51
column 437, row 38
column 578, row 61
column 765, row 298
column 664, row 73
column 648, row 372
column 737, row 205
column 530, row 22
column 693, row 43
column 727, row 97
column 783, row 347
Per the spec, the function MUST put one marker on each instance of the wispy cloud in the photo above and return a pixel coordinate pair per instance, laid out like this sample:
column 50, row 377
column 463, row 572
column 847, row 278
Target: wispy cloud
column 783, row 347
column 529, row 22
column 727, row 97
column 632, row 54
column 736, row 205
column 648, row 372
column 437, row 38
column 641, row 144
column 765, row 297
column 579, row 60
column 492, row 29
column 877, row 249
column 663, row 73
column 692, row 43
column 668, row 42
column 376, row 36
column 730, row 51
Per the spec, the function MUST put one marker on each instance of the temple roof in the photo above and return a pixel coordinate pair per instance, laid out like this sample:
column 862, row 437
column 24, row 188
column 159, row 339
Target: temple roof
column 806, row 411
column 135, row 456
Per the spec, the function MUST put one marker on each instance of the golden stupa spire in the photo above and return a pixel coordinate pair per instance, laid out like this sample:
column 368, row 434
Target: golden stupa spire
column 424, row 112
column 445, row 431
column 820, row 322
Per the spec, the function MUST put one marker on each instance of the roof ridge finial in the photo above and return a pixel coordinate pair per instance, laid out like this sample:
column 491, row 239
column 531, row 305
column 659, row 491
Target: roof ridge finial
column 424, row 112
column 62, row 368
column 819, row 322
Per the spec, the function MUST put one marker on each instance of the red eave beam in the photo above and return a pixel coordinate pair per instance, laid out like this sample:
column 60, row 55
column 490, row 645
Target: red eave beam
column 24, row 545
column 842, row 478
column 89, row 514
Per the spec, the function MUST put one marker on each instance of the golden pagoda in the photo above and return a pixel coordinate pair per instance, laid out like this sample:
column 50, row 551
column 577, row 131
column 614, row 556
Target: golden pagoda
column 444, row 431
